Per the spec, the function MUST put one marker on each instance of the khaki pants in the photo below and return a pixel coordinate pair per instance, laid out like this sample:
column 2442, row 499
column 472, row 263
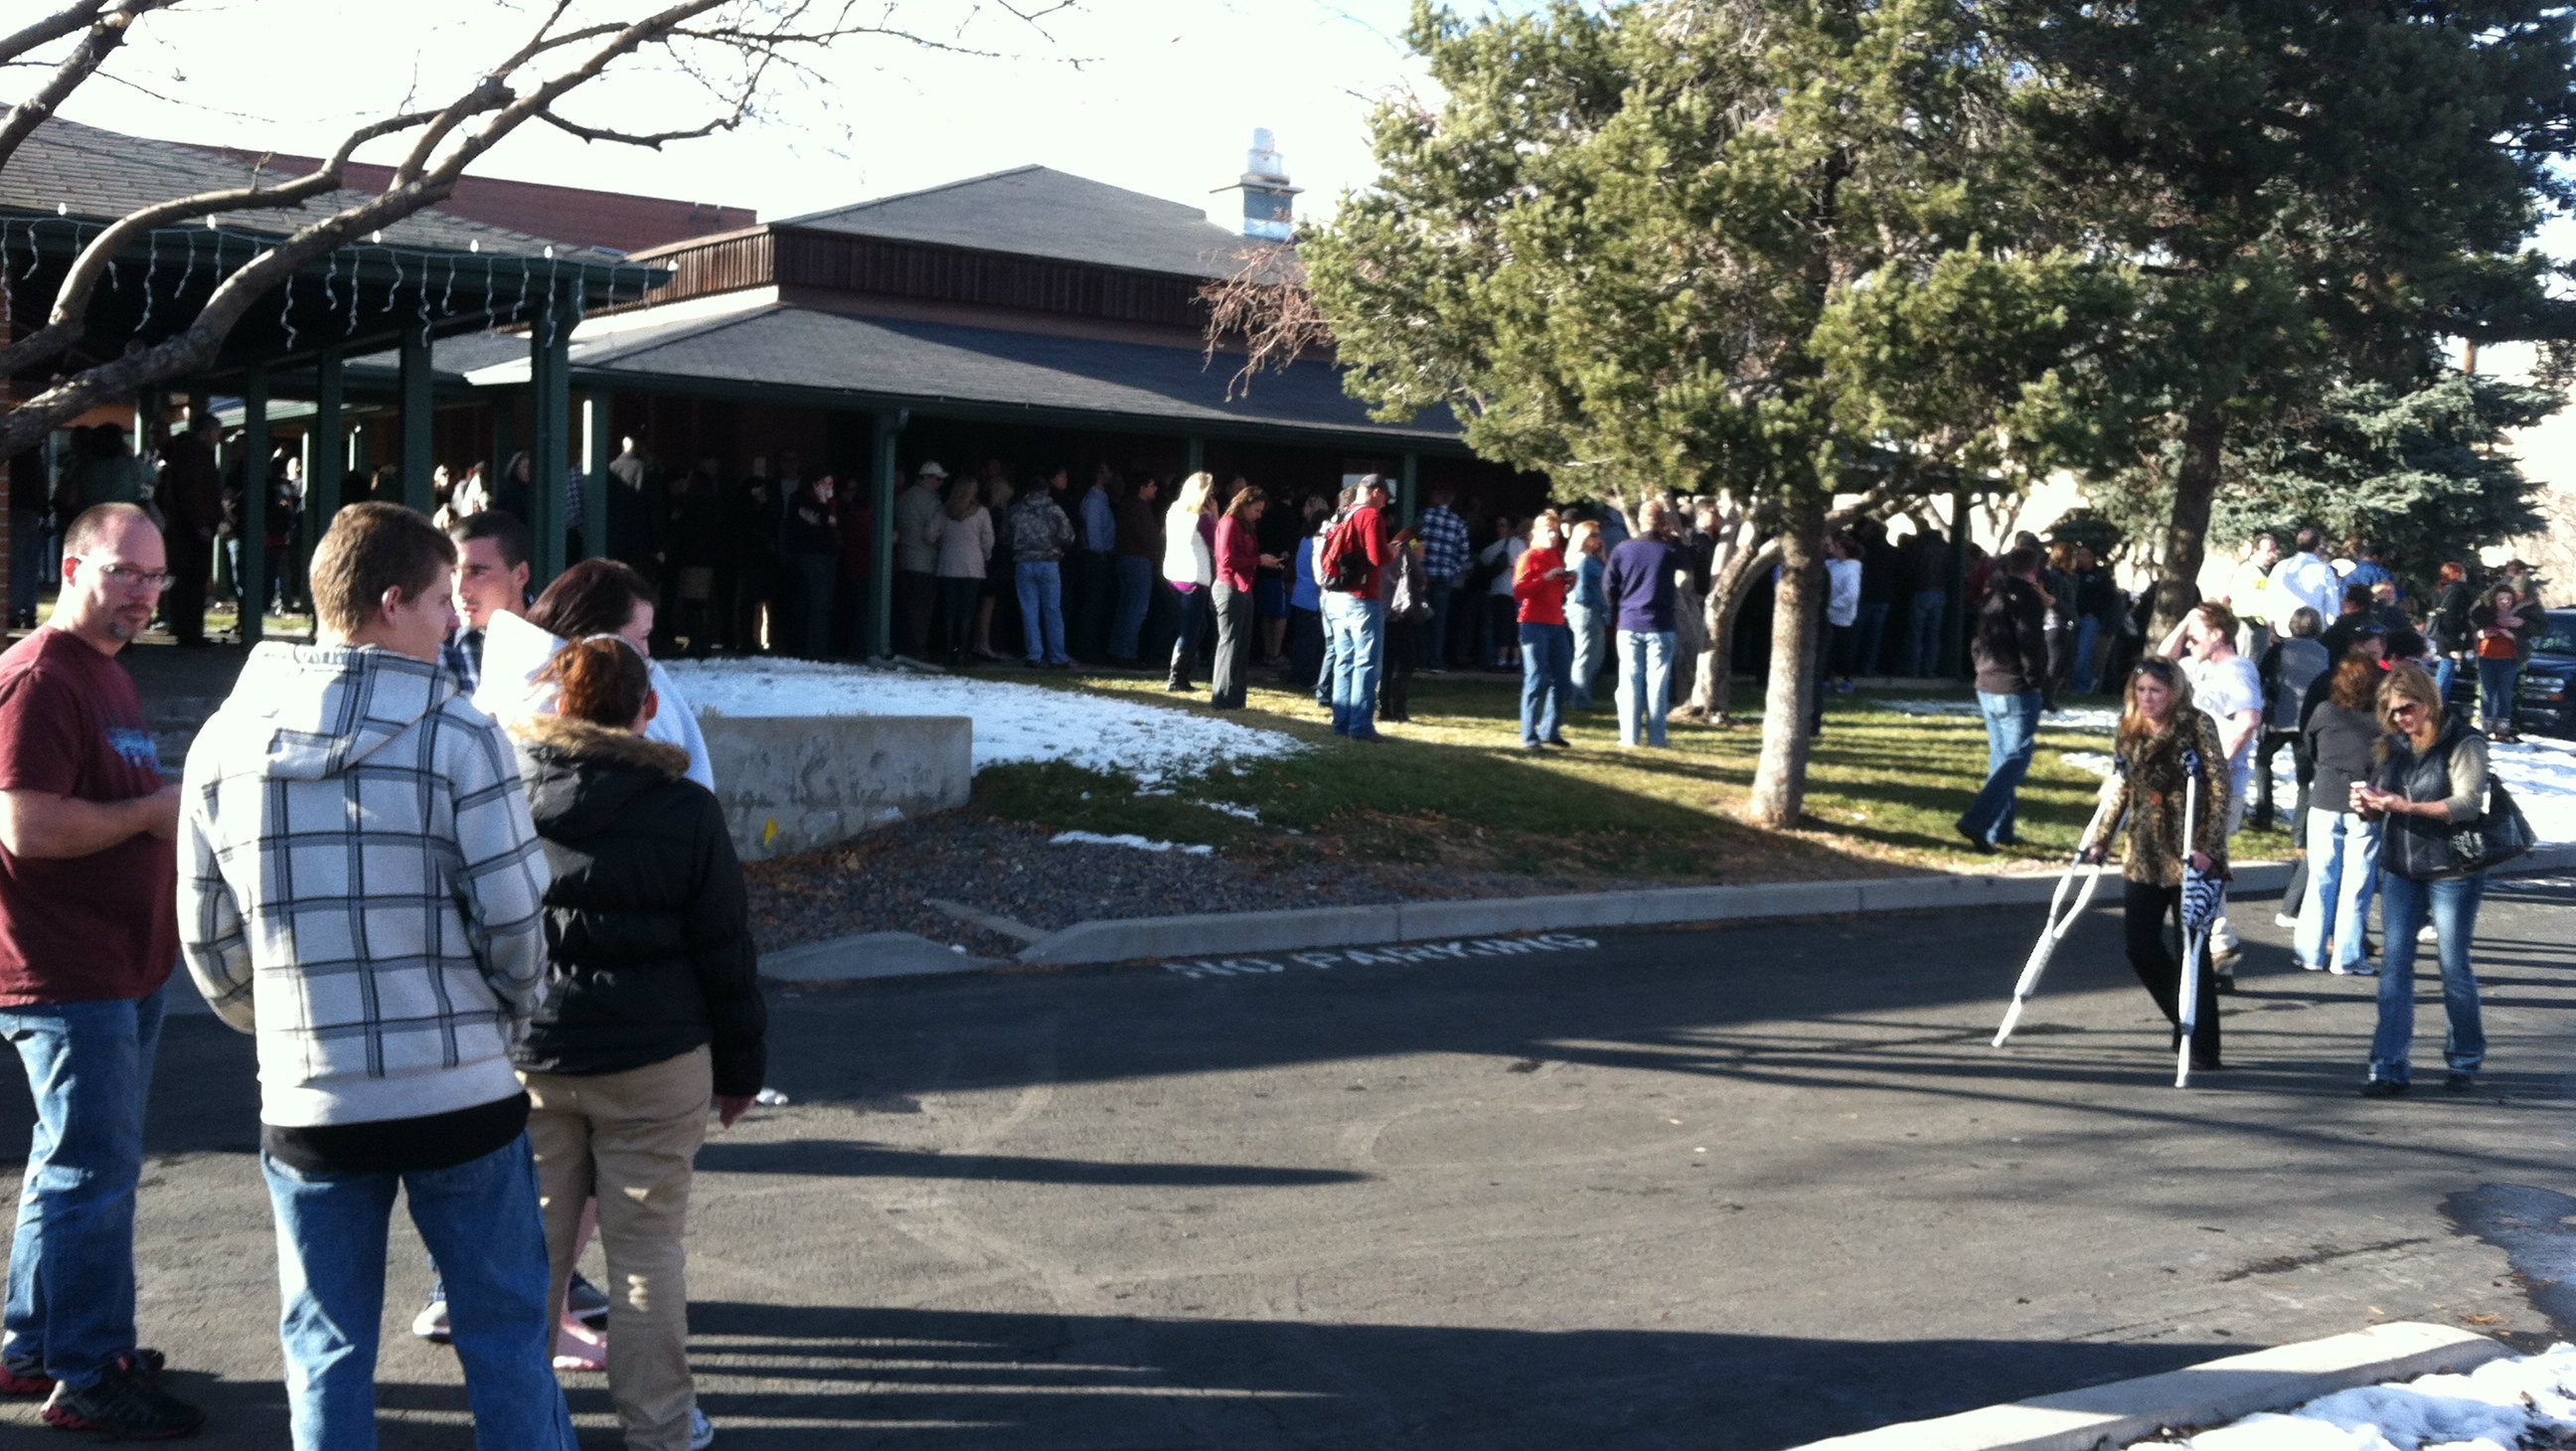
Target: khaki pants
column 628, row 1138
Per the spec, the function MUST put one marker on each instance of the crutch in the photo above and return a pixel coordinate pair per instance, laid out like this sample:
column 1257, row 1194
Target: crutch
column 2060, row 922
column 2187, row 1008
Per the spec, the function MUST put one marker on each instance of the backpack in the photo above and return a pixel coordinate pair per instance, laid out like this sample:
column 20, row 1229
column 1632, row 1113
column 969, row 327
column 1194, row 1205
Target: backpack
column 1342, row 565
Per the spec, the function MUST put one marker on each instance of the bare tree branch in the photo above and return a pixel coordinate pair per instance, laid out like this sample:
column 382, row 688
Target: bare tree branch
column 1266, row 306
column 49, row 29
column 106, row 33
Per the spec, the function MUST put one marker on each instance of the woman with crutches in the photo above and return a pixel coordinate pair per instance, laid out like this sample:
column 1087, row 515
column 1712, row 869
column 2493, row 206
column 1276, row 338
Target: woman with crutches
column 2171, row 771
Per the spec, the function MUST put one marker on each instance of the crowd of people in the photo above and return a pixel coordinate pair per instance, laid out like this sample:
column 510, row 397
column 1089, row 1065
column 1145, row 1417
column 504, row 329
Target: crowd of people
column 484, row 921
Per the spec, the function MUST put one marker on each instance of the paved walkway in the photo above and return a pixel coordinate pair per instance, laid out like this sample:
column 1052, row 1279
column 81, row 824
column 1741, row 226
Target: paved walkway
column 1729, row 1189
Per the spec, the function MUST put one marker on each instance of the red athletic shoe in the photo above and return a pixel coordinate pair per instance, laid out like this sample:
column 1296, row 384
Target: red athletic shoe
column 18, row 1380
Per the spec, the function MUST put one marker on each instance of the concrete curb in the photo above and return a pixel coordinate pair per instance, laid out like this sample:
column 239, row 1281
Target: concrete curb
column 2211, row 1393
column 1129, row 939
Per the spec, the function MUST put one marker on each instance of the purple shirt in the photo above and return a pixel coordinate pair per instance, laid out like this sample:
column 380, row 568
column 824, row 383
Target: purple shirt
column 1639, row 583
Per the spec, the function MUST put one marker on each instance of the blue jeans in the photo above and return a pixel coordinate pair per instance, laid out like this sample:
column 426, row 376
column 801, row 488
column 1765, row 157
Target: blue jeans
column 1135, row 593
column 2495, row 690
column 2445, row 670
column 1588, row 627
column 1929, row 606
column 71, row 1269
column 481, row 1224
column 1547, row 663
column 1041, row 583
column 1435, row 631
column 1869, row 636
column 2012, row 733
column 1189, row 622
column 1357, row 630
column 2343, row 869
column 2088, row 634
column 2453, row 905
column 1645, row 684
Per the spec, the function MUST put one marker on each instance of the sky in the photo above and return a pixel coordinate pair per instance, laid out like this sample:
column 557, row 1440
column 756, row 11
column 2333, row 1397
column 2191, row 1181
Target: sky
column 1160, row 96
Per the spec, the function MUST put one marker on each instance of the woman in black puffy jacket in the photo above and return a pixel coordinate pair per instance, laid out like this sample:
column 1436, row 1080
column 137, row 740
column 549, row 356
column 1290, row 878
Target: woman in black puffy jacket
column 652, row 1010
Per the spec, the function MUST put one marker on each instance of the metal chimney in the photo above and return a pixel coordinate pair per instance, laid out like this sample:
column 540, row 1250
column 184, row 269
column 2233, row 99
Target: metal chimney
column 1269, row 202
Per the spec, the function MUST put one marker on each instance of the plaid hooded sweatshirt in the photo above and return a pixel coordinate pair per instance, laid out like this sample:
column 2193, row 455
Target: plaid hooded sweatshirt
column 360, row 886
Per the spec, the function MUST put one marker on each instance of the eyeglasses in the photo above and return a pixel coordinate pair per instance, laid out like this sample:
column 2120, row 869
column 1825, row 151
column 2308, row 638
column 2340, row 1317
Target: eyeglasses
column 127, row 576
column 2404, row 706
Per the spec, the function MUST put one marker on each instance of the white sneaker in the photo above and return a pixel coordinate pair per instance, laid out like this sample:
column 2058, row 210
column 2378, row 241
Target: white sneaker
column 702, row 1432
column 2284, row 919
column 431, row 1323
column 2426, row 933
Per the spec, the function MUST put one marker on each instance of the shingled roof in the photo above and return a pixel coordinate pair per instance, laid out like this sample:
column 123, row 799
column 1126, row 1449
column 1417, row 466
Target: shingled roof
column 1036, row 211
column 904, row 362
column 102, row 175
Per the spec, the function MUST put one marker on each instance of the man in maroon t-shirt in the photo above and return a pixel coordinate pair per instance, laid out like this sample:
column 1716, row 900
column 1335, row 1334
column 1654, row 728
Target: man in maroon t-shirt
column 88, row 883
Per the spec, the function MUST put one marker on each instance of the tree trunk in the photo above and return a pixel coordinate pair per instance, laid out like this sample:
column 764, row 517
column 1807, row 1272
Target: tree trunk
column 1780, row 777
column 2204, row 437
column 1712, row 689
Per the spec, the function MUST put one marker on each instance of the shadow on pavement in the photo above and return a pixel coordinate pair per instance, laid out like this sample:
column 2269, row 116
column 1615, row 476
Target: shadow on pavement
column 858, row 1158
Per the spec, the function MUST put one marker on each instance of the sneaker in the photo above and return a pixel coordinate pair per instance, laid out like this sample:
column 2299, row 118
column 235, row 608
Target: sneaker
column 2426, row 933
column 2382, row 1088
column 431, row 1323
column 23, row 1378
column 2460, row 1082
column 2284, row 919
column 702, row 1432
column 2358, row 969
column 126, row 1404
column 586, row 1302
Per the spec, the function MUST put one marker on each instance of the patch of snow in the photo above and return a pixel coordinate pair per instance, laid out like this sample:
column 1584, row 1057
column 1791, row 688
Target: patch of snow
column 1231, row 809
column 2497, row 1407
column 1012, row 722
column 2543, row 783
column 1093, row 838
column 2071, row 718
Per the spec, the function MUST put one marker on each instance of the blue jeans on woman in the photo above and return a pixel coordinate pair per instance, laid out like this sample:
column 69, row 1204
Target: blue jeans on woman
column 2088, row 635
column 2403, row 905
column 2012, row 734
column 1041, row 583
column 71, row 1268
column 1547, row 681
column 2495, row 690
column 1135, row 593
column 2343, row 868
column 481, row 1223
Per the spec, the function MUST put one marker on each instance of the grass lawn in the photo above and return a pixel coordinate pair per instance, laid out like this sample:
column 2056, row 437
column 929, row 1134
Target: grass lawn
column 1454, row 788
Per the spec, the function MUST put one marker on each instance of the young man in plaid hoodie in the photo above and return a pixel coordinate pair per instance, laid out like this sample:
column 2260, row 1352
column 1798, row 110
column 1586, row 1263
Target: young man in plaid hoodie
column 361, row 888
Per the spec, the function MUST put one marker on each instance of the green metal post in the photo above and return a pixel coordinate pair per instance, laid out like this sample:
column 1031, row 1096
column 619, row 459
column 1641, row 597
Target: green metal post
column 252, row 577
column 1954, row 621
column 881, row 485
column 550, row 411
column 1193, row 456
column 1407, row 487
column 327, row 457
column 419, row 420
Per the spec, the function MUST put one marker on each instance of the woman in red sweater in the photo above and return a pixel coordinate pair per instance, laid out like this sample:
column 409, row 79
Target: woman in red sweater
column 1539, row 582
column 1239, row 561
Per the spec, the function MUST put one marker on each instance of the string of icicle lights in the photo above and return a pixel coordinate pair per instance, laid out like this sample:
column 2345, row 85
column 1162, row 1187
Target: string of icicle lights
column 418, row 273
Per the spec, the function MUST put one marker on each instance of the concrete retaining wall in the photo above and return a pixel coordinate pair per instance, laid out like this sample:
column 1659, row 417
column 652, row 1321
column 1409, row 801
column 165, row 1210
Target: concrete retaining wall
column 799, row 783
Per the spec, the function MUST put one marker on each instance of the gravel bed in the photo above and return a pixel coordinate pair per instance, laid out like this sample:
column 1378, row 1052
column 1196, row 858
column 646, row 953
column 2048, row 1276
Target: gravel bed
column 1008, row 869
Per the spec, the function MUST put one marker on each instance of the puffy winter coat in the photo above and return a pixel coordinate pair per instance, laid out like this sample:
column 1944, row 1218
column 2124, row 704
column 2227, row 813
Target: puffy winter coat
column 648, row 933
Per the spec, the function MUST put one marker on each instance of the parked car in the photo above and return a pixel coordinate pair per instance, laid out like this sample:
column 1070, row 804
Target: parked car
column 2545, row 704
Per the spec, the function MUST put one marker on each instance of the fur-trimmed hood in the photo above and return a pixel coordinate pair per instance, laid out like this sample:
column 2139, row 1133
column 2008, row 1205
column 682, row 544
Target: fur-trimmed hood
column 581, row 776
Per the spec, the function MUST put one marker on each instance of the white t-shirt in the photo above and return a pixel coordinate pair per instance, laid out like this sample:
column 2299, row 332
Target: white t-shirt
column 1505, row 552
column 2305, row 580
column 2223, row 688
column 515, row 652
column 1842, row 585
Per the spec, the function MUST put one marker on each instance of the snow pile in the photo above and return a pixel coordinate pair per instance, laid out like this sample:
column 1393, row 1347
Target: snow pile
column 2102, row 718
column 2500, row 1406
column 1012, row 722
column 2543, row 783
column 1093, row 838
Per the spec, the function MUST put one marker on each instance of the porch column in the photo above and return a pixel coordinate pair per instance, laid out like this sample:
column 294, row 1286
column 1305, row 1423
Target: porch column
column 549, row 444
column 881, row 484
column 251, row 579
column 327, row 456
column 419, row 419
column 1954, row 625
column 1193, row 456
column 598, row 447
column 1406, row 479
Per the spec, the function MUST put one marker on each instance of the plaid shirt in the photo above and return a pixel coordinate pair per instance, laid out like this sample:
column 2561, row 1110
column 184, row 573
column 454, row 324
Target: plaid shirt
column 462, row 655
column 1445, row 551
column 360, row 886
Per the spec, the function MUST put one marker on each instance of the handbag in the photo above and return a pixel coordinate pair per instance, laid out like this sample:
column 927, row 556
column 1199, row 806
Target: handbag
column 2204, row 895
column 2496, row 837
